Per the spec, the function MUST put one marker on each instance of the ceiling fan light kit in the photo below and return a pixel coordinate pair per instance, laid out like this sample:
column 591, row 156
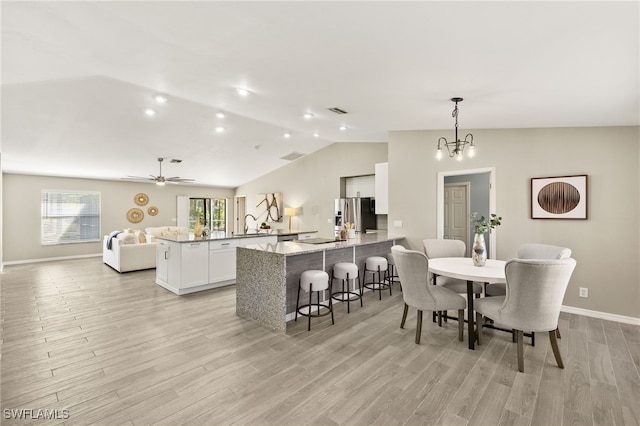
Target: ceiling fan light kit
column 456, row 147
column 161, row 180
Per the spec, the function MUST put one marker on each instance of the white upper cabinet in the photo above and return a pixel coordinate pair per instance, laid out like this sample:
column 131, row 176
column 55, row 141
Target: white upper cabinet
column 382, row 188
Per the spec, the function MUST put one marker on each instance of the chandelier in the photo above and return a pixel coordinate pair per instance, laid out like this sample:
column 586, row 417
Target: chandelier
column 456, row 148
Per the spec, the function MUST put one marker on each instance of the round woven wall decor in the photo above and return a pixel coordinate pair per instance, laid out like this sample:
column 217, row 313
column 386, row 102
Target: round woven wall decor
column 141, row 199
column 153, row 210
column 135, row 215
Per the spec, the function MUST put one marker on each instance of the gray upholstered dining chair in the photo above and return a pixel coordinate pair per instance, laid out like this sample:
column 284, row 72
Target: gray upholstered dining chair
column 413, row 270
column 535, row 289
column 531, row 251
column 436, row 248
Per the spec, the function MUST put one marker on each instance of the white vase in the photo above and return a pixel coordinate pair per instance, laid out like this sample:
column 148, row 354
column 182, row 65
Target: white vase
column 479, row 250
column 351, row 234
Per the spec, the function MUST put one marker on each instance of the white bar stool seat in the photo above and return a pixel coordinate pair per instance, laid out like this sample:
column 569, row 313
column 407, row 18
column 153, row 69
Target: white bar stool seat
column 392, row 276
column 314, row 281
column 376, row 265
column 348, row 272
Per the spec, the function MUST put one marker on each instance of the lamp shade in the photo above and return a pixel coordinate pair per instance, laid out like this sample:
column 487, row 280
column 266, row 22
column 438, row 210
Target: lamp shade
column 290, row 211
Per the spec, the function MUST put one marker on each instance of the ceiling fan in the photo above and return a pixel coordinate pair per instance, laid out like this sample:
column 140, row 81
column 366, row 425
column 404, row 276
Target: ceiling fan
column 161, row 180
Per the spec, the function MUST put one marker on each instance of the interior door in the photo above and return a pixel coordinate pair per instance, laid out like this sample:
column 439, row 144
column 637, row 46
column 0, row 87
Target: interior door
column 456, row 212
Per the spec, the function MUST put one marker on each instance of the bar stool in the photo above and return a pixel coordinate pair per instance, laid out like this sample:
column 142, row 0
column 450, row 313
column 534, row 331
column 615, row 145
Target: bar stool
column 348, row 272
column 314, row 281
column 392, row 276
column 376, row 265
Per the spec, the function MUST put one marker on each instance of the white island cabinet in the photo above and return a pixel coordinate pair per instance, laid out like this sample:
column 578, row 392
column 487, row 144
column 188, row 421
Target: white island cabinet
column 185, row 264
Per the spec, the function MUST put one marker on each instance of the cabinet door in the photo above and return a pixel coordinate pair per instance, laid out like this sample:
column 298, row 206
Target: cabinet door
column 307, row 235
column 162, row 261
column 382, row 188
column 222, row 264
column 195, row 264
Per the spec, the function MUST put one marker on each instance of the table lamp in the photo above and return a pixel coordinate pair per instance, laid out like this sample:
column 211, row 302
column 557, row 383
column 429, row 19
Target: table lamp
column 290, row 211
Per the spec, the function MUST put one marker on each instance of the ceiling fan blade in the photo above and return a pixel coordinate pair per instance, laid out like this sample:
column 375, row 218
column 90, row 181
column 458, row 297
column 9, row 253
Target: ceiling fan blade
column 137, row 178
column 177, row 179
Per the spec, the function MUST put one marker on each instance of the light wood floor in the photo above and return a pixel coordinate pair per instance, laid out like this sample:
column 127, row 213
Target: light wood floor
column 117, row 349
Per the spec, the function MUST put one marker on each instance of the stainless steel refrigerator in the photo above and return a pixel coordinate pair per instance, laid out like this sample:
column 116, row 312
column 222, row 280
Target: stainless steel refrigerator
column 359, row 211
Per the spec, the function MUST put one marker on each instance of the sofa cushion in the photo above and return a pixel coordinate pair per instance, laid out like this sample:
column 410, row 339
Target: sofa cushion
column 141, row 237
column 128, row 236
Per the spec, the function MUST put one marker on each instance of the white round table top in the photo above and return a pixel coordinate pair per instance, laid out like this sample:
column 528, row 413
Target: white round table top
column 463, row 268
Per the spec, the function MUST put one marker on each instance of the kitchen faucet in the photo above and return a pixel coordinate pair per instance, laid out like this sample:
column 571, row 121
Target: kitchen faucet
column 246, row 227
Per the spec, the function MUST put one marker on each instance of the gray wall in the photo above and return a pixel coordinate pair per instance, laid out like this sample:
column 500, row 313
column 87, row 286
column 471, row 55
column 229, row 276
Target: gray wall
column 606, row 246
column 21, row 211
column 313, row 182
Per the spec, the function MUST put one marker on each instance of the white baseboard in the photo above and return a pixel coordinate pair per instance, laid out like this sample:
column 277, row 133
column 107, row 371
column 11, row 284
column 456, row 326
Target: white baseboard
column 601, row 315
column 50, row 259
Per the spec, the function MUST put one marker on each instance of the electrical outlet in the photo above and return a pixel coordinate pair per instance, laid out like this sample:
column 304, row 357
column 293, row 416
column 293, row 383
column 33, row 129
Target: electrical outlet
column 397, row 224
column 584, row 292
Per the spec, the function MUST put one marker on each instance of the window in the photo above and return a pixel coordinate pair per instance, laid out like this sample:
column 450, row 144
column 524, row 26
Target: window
column 211, row 211
column 70, row 217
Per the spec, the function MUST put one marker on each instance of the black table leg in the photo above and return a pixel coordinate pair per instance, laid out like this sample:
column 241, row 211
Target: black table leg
column 471, row 315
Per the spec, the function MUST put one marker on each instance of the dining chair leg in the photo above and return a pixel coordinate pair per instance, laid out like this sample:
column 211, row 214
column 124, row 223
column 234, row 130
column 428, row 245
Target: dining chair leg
column 460, row 324
column 558, row 333
column 439, row 318
column 419, row 328
column 556, row 349
column 478, row 327
column 404, row 315
column 520, row 348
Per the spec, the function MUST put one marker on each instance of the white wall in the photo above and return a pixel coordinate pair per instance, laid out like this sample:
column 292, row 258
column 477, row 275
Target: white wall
column 313, row 182
column 21, row 211
column 606, row 246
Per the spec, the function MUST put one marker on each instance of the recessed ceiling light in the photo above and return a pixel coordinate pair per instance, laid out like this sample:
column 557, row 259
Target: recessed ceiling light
column 343, row 128
column 160, row 98
column 219, row 129
column 307, row 115
column 287, row 135
column 242, row 92
column 220, row 114
column 316, row 135
column 150, row 112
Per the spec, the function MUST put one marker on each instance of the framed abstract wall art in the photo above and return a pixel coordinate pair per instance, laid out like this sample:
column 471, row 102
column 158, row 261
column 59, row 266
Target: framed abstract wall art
column 560, row 197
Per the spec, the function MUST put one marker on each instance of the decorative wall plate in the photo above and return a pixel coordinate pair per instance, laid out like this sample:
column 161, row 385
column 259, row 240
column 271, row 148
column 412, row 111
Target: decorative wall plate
column 135, row 215
column 153, row 210
column 141, row 199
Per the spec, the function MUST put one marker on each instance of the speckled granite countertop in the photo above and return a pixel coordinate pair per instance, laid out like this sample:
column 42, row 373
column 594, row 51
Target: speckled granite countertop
column 230, row 235
column 289, row 248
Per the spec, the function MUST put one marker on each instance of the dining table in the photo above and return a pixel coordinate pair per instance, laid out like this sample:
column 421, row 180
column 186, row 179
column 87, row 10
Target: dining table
column 463, row 268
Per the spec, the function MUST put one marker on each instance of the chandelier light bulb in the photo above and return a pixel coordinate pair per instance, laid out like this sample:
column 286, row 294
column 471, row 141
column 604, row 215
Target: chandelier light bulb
column 472, row 151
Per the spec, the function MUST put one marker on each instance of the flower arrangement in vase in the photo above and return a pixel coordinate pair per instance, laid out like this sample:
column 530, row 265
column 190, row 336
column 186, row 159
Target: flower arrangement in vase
column 481, row 226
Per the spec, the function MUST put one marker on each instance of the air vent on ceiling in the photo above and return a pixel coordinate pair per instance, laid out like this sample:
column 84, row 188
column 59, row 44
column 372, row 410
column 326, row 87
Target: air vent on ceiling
column 293, row 156
column 175, row 161
column 337, row 110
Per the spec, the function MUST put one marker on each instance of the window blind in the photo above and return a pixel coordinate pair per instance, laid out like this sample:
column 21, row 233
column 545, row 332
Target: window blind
column 70, row 217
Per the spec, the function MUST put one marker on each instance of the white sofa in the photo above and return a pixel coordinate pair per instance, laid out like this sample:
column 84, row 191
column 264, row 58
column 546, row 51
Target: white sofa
column 135, row 250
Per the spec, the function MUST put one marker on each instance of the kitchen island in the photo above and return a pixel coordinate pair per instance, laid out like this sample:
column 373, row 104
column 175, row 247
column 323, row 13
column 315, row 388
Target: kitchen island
column 267, row 274
column 186, row 264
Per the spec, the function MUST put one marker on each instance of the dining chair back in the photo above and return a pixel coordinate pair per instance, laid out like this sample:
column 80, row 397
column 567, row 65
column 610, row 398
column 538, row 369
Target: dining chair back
column 413, row 270
column 543, row 251
column 535, row 290
column 531, row 251
column 436, row 248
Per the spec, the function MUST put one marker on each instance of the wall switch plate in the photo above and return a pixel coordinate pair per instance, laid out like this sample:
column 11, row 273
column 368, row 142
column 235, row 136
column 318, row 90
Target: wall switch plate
column 329, row 221
column 397, row 224
column 173, row 219
column 584, row 292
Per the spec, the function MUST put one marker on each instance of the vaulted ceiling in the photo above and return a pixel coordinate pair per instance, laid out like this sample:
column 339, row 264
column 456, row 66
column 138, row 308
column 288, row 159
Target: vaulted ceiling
column 78, row 76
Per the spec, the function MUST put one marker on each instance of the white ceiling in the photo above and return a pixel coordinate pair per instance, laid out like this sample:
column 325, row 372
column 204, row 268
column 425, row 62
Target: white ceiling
column 77, row 76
